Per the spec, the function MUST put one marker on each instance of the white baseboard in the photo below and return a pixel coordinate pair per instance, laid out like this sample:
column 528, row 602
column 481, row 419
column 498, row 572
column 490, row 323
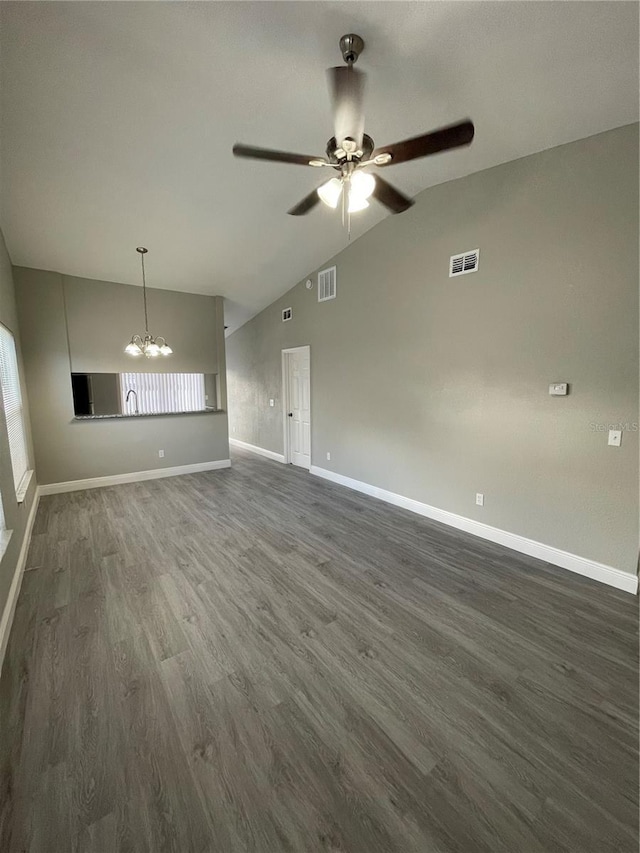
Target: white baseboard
column 235, row 442
column 133, row 477
column 16, row 582
column 582, row 566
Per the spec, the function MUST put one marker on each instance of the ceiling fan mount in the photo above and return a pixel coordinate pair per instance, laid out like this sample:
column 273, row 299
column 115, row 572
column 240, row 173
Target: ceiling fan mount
column 351, row 151
column 351, row 46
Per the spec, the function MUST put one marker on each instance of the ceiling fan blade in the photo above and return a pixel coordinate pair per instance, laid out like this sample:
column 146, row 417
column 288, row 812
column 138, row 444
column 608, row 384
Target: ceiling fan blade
column 254, row 153
column 452, row 136
column 346, row 85
column 392, row 198
column 307, row 204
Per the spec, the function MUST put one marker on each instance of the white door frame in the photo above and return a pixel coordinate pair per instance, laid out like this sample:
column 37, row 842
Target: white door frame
column 285, row 399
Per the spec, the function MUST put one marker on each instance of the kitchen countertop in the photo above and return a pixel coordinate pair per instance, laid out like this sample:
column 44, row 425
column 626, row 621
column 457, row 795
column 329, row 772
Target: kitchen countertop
column 207, row 411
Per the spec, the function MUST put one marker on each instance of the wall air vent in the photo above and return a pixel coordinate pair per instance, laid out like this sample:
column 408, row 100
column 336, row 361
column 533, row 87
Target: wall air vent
column 464, row 263
column 327, row 284
column 287, row 314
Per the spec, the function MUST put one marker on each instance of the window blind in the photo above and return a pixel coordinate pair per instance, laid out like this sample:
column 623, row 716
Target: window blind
column 12, row 398
column 162, row 392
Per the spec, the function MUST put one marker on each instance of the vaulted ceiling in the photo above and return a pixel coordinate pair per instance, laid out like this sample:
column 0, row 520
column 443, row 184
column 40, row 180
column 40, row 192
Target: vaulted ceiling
column 118, row 121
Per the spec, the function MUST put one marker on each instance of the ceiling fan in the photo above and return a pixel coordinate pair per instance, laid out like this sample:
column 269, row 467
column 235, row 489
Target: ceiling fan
column 351, row 151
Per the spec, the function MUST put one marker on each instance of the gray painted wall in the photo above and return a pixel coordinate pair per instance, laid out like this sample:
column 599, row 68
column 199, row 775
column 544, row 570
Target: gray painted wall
column 102, row 316
column 66, row 449
column 437, row 388
column 15, row 514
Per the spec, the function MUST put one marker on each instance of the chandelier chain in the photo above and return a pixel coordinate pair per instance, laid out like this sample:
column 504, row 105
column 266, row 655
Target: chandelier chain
column 144, row 295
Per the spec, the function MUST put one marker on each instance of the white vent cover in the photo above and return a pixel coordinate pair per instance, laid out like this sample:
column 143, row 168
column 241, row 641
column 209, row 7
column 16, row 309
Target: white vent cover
column 287, row 314
column 464, row 262
column 327, row 284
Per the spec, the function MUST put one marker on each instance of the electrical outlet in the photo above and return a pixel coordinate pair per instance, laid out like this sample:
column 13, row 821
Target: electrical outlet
column 272, row 403
column 479, row 499
column 161, row 454
column 328, row 456
column 233, row 429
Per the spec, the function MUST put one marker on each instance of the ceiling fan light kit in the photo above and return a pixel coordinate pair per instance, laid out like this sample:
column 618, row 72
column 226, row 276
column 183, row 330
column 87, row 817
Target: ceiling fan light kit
column 147, row 344
column 350, row 151
column 330, row 192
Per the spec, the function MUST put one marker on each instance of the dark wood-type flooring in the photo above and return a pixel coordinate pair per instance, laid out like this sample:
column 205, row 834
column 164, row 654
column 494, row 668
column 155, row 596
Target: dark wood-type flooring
column 257, row 660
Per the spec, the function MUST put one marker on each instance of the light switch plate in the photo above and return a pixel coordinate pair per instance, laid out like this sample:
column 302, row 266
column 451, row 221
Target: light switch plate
column 558, row 389
column 272, row 403
column 615, row 437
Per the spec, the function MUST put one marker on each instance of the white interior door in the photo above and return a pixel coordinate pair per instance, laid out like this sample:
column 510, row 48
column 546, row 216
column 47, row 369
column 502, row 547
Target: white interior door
column 299, row 406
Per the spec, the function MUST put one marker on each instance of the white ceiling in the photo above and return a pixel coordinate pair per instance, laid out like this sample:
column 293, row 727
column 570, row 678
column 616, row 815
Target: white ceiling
column 118, row 121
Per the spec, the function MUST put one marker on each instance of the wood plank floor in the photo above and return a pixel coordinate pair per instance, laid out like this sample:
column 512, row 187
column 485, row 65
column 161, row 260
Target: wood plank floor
column 258, row 660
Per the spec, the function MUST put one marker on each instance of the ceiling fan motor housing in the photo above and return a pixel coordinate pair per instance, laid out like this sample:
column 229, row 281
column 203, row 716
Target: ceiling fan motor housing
column 332, row 149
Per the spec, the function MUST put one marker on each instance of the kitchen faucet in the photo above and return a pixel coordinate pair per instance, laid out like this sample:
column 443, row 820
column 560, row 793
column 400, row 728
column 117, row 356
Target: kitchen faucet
column 135, row 394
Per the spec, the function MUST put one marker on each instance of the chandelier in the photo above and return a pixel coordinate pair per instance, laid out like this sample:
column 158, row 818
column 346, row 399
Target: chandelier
column 146, row 345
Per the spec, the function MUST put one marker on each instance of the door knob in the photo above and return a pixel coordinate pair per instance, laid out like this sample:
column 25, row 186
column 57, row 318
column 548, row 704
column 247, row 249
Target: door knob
column 290, row 414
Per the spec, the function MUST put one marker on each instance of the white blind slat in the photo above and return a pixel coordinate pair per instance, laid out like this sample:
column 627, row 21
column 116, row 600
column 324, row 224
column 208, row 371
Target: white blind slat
column 12, row 399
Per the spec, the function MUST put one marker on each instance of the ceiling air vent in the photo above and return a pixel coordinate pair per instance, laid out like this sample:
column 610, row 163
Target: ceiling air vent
column 287, row 314
column 327, row 284
column 464, row 263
